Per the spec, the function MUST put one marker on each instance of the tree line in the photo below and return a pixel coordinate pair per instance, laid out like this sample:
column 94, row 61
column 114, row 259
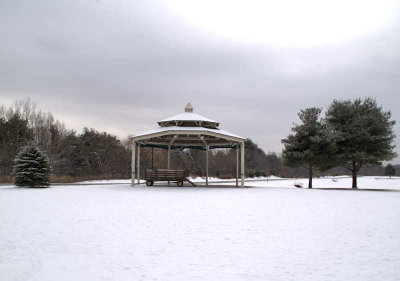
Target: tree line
column 72, row 156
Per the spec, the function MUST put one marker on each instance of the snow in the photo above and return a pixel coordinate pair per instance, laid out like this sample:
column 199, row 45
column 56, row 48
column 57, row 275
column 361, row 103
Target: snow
column 188, row 116
column 218, row 180
column 194, row 130
column 341, row 182
column 272, row 231
column 107, row 182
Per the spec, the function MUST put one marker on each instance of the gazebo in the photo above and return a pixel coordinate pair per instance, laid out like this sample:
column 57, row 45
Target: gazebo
column 187, row 130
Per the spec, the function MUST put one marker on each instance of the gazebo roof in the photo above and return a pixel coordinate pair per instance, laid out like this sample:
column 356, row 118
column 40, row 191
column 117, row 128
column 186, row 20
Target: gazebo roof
column 188, row 119
column 188, row 130
column 187, row 116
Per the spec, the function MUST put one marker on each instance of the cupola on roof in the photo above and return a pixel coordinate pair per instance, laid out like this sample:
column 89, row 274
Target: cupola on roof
column 189, row 108
column 188, row 119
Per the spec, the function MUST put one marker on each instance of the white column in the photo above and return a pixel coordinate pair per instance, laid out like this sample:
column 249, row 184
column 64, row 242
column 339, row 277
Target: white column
column 168, row 158
column 138, row 164
column 133, row 165
column 237, row 164
column 206, row 165
column 242, row 164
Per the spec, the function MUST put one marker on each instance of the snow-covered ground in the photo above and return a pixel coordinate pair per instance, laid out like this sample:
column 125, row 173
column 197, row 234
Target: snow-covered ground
column 340, row 182
column 272, row 231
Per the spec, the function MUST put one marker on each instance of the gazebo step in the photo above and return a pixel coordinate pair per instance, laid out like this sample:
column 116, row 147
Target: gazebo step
column 192, row 183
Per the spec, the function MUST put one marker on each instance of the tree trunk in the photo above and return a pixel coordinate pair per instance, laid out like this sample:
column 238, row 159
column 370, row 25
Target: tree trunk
column 354, row 179
column 310, row 176
column 355, row 168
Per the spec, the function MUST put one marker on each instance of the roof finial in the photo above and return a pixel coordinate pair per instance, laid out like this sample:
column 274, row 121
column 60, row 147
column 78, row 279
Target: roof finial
column 189, row 108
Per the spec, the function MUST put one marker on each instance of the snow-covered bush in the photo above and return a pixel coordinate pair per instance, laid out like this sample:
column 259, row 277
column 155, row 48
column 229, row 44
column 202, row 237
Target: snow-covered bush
column 31, row 168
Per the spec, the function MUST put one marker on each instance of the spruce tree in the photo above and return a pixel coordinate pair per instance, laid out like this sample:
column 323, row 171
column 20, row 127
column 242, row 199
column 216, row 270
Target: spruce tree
column 31, row 168
column 363, row 131
column 311, row 145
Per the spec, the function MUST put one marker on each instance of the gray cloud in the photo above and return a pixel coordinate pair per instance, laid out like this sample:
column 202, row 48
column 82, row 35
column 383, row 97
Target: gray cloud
column 121, row 66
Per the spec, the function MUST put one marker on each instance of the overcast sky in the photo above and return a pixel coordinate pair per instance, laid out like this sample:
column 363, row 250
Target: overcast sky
column 120, row 66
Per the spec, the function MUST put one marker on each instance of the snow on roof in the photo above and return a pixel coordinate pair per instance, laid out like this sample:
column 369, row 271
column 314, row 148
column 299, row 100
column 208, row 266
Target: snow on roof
column 187, row 123
column 186, row 129
column 188, row 116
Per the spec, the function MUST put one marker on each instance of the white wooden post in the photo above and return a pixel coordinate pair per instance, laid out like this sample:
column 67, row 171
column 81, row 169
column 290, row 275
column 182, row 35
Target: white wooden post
column 168, row 158
column 206, row 165
column 242, row 164
column 169, row 150
column 133, row 165
column 237, row 164
column 138, row 164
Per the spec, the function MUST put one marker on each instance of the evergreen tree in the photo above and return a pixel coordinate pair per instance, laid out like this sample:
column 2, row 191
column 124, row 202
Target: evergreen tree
column 363, row 131
column 31, row 168
column 390, row 170
column 311, row 145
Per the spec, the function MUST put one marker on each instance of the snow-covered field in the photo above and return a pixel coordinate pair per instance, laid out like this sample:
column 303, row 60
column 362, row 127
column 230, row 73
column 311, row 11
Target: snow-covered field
column 340, row 182
column 272, row 231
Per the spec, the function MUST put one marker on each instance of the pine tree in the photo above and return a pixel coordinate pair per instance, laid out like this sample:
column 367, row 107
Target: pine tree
column 31, row 168
column 311, row 145
column 390, row 170
column 364, row 133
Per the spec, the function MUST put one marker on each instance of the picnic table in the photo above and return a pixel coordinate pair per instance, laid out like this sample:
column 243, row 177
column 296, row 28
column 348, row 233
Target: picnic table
column 178, row 176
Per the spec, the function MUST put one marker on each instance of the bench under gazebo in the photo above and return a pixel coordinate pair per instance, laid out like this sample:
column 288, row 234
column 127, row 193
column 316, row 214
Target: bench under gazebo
column 187, row 130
